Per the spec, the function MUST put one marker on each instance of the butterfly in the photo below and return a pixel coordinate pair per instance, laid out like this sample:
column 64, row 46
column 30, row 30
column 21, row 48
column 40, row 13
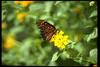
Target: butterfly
column 47, row 30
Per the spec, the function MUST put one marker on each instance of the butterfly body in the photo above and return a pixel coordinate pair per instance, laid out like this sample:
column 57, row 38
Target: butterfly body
column 47, row 30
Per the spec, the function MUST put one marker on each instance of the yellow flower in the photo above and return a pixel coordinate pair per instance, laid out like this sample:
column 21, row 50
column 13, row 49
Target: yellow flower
column 4, row 25
column 23, row 3
column 60, row 40
column 21, row 16
column 9, row 42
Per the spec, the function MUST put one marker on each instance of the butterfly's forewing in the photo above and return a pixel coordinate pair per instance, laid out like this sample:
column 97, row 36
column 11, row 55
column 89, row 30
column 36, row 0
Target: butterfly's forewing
column 47, row 30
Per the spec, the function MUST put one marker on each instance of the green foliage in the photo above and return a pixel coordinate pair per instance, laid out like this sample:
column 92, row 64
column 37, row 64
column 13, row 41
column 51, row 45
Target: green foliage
column 94, row 13
column 78, row 20
column 93, row 55
column 93, row 35
column 54, row 57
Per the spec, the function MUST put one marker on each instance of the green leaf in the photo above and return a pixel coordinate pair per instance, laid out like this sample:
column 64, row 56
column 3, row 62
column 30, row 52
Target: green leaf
column 94, row 13
column 33, row 8
column 48, row 6
column 93, row 56
column 16, row 30
column 10, row 17
column 52, row 64
column 3, row 14
column 54, row 57
column 79, row 60
column 65, row 55
column 57, row 2
column 92, row 35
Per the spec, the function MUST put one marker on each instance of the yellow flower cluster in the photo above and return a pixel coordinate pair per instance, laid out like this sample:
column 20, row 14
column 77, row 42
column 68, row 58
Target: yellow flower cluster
column 23, row 3
column 9, row 42
column 60, row 40
column 21, row 16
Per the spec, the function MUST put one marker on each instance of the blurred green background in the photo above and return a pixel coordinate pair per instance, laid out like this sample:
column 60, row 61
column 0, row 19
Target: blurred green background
column 22, row 43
